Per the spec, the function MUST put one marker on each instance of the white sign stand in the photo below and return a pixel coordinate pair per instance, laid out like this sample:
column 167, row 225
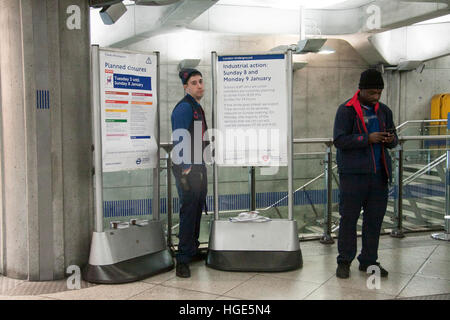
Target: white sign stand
column 125, row 107
column 259, row 88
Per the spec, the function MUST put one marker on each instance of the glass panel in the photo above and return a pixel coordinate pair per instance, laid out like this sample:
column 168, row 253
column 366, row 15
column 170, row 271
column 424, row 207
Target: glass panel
column 163, row 204
column 127, row 195
column 310, row 196
column 272, row 190
column 423, row 185
column 423, row 180
column 309, row 201
column 234, row 196
column 389, row 221
column 426, row 193
column 335, row 207
column 234, row 192
column 425, row 129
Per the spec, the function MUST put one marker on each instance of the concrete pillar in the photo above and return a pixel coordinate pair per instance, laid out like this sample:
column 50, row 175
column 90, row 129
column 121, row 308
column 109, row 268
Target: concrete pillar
column 46, row 205
column 1, row 172
column 395, row 94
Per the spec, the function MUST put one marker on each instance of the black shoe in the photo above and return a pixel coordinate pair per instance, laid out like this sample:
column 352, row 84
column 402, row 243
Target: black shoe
column 343, row 270
column 183, row 270
column 383, row 272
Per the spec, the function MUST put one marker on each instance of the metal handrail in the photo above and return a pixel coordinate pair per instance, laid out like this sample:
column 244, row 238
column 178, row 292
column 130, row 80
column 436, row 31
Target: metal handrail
column 428, row 167
column 301, row 141
column 422, row 138
column 420, row 121
column 302, row 187
column 329, row 142
column 399, row 182
column 327, row 235
column 313, row 140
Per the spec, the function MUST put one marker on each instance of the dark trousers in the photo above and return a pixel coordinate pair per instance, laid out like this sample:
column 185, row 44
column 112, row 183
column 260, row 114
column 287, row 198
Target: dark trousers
column 356, row 191
column 192, row 202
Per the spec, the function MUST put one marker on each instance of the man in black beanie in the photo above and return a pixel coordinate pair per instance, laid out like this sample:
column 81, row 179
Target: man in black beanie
column 363, row 130
column 188, row 131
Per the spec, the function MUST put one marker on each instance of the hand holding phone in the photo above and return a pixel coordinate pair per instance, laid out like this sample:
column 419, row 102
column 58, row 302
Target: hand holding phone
column 390, row 130
column 391, row 135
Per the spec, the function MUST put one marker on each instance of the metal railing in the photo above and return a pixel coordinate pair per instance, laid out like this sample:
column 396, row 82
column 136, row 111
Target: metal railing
column 398, row 231
column 327, row 237
column 421, row 122
column 425, row 169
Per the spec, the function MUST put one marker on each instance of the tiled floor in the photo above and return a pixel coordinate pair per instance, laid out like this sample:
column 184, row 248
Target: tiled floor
column 418, row 266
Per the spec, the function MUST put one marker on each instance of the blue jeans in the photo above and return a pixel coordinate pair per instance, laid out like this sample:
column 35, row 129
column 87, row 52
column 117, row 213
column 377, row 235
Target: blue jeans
column 192, row 202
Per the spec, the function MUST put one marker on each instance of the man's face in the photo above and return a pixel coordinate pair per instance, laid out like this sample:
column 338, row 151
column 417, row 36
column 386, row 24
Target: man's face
column 370, row 96
column 195, row 87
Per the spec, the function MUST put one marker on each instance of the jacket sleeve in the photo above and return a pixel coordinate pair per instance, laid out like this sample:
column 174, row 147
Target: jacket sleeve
column 343, row 135
column 390, row 124
column 181, row 119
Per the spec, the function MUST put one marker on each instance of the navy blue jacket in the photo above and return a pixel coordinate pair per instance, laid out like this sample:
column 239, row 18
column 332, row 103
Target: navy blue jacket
column 350, row 137
column 185, row 113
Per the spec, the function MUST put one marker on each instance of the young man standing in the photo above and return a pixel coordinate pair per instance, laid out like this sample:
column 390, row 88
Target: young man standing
column 189, row 122
column 363, row 130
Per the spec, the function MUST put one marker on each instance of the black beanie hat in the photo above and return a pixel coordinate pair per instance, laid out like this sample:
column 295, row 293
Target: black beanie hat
column 371, row 79
column 185, row 74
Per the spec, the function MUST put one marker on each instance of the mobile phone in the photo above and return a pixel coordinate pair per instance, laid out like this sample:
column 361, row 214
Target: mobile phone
column 390, row 130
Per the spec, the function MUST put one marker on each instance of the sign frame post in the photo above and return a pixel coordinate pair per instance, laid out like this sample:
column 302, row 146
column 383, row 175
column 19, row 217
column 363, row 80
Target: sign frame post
column 290, row 147
column 214, row 122
column 97, row 147
column 156, row 171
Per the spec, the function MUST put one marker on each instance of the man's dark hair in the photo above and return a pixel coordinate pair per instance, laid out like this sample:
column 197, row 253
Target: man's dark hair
column 185, row 74
column 371, row 79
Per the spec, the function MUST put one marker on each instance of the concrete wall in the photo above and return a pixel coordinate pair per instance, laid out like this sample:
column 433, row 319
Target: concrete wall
column 417, row 89
column 46, row 143
column 2, row 225
column 15, row 208
column 76, row 137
